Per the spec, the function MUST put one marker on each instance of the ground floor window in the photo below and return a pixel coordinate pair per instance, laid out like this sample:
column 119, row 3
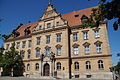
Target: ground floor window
column 58, row 66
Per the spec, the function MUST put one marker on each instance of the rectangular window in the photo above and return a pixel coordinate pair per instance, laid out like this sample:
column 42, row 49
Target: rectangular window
column 29, row 43
column 96, row 33
column 23, row 44
column 47, row 39
column 85, row 35
column 18, row 45
column 37, row 53
column 47, row 51
column 87, row 49
column 75, row 49
column 49, row 25
column 38, row 40
column 98, row 48
column 75, row 37
column 58, row 37
column 7, row 46
column 58, row 51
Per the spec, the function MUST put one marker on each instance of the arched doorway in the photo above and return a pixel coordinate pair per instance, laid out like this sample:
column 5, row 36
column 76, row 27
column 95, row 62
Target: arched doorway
column 46, row 70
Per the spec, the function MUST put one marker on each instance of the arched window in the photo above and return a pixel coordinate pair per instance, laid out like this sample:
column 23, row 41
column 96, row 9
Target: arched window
column 36, row 66
column 58, row 66
column 28, row 67
column 76, row 66
column 100, row 64
column 88, row 65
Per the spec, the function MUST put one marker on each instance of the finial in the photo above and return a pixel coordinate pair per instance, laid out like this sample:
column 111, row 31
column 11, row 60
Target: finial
column 49, row 1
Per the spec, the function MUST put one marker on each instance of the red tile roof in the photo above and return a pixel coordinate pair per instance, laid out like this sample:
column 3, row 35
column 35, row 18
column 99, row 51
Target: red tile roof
column 70, row 17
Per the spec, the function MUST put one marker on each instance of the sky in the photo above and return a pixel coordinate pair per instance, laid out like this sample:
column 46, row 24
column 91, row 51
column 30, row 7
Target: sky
column 14, row 12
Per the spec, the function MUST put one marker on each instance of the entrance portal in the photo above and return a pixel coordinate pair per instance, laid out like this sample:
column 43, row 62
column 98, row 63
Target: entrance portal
column 46, row 70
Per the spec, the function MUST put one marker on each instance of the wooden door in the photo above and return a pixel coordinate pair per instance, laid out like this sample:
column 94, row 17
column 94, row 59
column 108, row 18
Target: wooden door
column 46, row 70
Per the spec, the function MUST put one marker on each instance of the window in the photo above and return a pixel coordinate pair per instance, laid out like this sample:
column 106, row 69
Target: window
column 38, row 40
column 76, row 66
column 49, row 25
column 7, row 46
column 85, row 35
column 58, row 37
column 87, row 49
column 47, row 51
column 57, row 23
column 88, row 66
column 40, row 27
column 18, row 45
column 23, row 44
column 96, row 33
column 29, row 43
column 47, row 39
column 29, row 52
column 100, row 64
column 28, row 67
column 36, row 66
column 37, row 52
column 22, row 53
column 75, row 37
column 75, row 50
column 58, row 66
column 98, row 48
column 58, row 51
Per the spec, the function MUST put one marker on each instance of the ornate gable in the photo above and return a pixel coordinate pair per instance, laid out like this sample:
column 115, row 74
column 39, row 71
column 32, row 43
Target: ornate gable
column 49, row 12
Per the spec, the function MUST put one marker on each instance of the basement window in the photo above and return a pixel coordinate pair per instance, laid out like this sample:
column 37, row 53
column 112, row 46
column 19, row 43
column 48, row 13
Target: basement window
column 76, row 76
column 88, row 76
column 77, row 15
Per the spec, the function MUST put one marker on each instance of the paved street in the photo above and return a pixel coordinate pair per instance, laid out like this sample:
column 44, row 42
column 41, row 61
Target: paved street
column 24, row 78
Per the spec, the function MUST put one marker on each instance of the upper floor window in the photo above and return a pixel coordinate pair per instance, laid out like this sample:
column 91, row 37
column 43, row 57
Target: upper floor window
column 29, row 52
column 98, row 46
column 18, row 45
column 23, row 44
column 87, row 49
column 22, row 53
column 85, row 35
column 40, row 27
column 47, row 39
column 36, row 66
column 75, row 36
column 29, row 43
column 100, row 64
column 38, row 40
column 49, row 25
column 76, row 66
column 88, row 65
column 96, row 33
column 58, row 37
column 58, row 66
column 47, row 51
column 57, row 23
column 28, row 67
column 37, row 52
column 58, row 51
column 7, row 46
column 75, row 50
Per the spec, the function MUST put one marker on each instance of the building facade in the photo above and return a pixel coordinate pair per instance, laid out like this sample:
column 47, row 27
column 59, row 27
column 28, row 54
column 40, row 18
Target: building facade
column 57, row 46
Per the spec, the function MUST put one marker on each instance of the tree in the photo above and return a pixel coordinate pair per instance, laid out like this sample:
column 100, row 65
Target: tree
column 107, row 10
column 1, row 55
column 11, row 60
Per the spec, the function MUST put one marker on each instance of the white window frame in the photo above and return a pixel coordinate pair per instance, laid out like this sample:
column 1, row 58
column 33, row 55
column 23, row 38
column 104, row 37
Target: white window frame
column 75, row 50
column 87, row 49
column 85, row 35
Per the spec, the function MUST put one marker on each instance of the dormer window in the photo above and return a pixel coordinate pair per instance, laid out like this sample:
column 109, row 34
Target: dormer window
column 84, row 19
column 27, row 31
column 77, row 15
column 49, row 25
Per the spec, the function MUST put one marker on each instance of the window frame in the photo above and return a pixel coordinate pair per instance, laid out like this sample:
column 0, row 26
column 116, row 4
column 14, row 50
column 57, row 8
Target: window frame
column 58, row 66
column 76, row 65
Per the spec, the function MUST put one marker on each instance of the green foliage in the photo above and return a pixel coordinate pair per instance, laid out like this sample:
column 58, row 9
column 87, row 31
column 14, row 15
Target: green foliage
column 11, row 59
column 107, row 10
column 117, row 67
